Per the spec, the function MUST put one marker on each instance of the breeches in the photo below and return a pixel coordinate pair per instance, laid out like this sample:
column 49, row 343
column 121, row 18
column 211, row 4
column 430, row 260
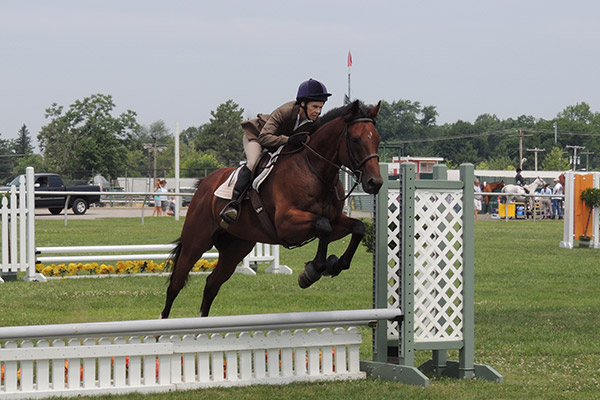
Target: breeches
column 253, row 150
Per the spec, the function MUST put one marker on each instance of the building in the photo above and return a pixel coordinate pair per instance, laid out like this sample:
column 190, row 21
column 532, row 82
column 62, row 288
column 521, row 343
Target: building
column 424, row 165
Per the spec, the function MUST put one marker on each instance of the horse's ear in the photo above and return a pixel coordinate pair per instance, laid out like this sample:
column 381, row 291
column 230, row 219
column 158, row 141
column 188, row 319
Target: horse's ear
column 373, row 112
column 352, row 111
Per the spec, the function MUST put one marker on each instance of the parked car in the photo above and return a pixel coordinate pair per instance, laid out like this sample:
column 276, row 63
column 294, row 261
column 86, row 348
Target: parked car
column 46, row 182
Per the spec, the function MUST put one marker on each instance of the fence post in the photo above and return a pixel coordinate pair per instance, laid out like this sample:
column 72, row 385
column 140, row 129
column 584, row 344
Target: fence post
column 31, row 275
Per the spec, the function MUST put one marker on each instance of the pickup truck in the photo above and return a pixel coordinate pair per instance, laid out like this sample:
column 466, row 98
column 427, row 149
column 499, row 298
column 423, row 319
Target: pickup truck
column 55, row 204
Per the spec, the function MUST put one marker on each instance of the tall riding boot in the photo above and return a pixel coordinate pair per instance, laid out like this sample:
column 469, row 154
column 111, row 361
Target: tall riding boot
column 231, row 211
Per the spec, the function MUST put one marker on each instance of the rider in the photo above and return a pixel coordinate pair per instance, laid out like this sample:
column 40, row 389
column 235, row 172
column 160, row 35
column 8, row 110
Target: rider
column 274, row 130
column 520, row 180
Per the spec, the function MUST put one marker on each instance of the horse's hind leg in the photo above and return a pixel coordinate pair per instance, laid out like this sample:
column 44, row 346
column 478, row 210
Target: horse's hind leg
column 231, row 251
column 185, row 257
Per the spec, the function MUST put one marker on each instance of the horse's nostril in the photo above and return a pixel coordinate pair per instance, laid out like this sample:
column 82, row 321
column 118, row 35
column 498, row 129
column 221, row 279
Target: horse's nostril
column 373, row 185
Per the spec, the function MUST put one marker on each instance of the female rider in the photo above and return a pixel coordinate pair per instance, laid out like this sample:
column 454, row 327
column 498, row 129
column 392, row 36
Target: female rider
column 274, row 130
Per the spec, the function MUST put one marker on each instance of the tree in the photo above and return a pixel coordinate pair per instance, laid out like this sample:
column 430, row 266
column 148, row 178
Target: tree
column 555, row 161
column 496, row 163
column 194, row 164
column 87, row 137
column 32, row 160
column 22, row 144
column 6, row 158
column 223, row 134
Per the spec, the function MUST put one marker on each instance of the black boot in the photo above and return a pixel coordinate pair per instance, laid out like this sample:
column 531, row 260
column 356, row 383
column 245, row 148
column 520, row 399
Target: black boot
column 231, row 211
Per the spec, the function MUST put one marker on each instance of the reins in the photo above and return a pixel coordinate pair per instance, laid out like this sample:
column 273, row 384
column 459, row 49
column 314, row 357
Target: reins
column 355, row 171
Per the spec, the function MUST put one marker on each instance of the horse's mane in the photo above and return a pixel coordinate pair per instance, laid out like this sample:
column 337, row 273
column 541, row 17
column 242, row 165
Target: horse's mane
column 339, row 112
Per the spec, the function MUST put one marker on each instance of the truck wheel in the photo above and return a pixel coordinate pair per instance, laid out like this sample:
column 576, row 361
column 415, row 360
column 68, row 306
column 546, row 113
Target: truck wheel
column 55, row 211
column 80, row 206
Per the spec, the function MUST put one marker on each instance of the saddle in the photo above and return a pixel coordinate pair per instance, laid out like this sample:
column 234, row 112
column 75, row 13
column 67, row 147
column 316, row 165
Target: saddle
column 263, row 169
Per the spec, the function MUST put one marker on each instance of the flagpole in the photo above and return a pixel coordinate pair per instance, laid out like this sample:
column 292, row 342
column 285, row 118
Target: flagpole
column 349, row 66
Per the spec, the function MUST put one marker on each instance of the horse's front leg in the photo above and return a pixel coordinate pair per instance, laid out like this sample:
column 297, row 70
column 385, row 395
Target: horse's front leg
column 313, row 270
column 343, row 226
column 296, row 223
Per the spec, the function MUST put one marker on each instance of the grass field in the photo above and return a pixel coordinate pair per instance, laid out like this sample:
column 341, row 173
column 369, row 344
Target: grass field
column 537, row 309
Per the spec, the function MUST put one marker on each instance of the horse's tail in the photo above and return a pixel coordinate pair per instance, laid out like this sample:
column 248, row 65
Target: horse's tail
column 173, row 257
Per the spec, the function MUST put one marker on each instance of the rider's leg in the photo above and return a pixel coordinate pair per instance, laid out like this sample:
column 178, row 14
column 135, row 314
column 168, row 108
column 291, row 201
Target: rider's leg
column 232, row 210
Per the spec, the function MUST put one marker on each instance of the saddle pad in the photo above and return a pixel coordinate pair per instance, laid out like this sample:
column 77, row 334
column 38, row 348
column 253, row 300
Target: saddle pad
column 267, row 170
column 225, row 190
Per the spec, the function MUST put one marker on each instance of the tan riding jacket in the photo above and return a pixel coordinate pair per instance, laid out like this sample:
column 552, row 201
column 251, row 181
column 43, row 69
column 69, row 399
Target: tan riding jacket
column 273, row 130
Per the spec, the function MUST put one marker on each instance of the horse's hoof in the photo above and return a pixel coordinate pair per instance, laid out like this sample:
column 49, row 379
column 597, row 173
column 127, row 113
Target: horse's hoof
column 332, row 266
column 308, row 276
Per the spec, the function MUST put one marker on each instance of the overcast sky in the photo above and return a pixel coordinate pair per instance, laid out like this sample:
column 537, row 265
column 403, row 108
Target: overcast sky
column 176, row 61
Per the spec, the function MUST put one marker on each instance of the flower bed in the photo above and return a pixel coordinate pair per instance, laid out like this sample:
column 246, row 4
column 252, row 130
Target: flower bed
column 121, row 267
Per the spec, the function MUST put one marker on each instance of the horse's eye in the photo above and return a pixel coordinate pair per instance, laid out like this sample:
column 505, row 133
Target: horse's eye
column 354, row 140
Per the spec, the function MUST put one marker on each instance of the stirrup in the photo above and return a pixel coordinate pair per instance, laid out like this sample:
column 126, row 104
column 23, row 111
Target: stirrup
column 230, row 212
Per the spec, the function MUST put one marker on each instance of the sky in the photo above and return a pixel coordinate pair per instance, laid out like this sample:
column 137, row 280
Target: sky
column 176, row 61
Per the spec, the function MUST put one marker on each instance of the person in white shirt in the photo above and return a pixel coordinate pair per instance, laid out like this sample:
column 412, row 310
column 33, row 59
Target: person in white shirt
column 557, row 201
column 477, row 198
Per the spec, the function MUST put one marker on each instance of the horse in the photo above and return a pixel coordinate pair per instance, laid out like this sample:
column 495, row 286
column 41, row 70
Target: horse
column 490, row 187
column 519, row 192
column 303, row 197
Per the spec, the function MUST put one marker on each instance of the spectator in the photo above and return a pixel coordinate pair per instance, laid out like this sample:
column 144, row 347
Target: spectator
column 557, row 201
column 164, row 199
column 157, row 206
column 477, row 198
column 546, row 202
column 171, row 206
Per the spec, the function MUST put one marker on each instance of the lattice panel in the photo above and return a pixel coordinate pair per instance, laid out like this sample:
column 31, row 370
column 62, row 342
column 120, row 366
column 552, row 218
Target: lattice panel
column 394, row 235
column 438, row 265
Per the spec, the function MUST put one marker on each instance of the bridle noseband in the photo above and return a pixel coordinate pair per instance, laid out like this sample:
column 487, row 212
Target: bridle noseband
column 356, row 166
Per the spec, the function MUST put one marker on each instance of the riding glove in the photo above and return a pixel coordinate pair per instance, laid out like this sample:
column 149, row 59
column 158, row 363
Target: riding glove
column 297, row 140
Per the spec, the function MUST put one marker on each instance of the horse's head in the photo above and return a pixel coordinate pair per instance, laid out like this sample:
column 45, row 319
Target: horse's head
column 359, row 152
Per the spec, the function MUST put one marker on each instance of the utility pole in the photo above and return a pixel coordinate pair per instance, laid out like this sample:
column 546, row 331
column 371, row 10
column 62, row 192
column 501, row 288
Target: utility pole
column 154, row 148
column 521, row 136
column 575, row 159
column 536, row 151
column 587, row 159
column 555, row 132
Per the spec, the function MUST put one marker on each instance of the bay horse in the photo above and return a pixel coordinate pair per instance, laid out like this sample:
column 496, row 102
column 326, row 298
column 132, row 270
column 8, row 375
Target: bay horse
column 490, row 187
column 303, row 196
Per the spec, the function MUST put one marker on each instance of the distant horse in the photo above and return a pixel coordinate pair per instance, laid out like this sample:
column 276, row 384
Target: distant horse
column 490, row 187
column 303, row 197
column 519, row 192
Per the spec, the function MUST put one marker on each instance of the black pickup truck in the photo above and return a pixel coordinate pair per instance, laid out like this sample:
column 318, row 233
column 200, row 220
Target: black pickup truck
column 55, row 204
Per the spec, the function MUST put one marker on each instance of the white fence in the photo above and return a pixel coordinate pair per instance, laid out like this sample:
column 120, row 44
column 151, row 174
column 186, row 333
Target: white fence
column 19, row 253
column 126, row 356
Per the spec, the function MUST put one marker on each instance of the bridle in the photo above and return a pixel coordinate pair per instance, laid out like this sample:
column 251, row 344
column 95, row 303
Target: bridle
column 355, row 165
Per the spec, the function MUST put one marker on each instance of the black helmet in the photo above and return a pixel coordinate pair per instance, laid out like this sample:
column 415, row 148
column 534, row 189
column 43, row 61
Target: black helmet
column 312, row 90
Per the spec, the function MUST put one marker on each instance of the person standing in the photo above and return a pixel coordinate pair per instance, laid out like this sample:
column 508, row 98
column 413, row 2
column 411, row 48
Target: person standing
column 546, row 202
column 477, row 198
column 157, row 206
column 164, row 199
column 557, row 201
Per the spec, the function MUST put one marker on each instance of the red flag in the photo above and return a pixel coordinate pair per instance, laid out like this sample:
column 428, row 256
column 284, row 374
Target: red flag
column 349, row 58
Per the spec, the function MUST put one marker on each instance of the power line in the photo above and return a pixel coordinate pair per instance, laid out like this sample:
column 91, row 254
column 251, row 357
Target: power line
column 482, row 134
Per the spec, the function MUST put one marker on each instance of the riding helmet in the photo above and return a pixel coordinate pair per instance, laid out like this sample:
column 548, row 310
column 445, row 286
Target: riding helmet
column 312, row 90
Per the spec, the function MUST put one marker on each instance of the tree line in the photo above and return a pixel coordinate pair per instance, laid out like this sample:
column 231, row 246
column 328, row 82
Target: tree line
column 87, row 138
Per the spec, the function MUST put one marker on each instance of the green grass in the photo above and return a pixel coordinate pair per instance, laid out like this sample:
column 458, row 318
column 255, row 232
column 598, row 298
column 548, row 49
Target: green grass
column 537, row 308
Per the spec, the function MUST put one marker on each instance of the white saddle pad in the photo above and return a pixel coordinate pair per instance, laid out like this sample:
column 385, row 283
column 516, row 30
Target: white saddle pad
column 225, row 191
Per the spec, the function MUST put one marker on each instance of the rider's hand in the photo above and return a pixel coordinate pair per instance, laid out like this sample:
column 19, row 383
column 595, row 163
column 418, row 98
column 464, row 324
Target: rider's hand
column 297, row 140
